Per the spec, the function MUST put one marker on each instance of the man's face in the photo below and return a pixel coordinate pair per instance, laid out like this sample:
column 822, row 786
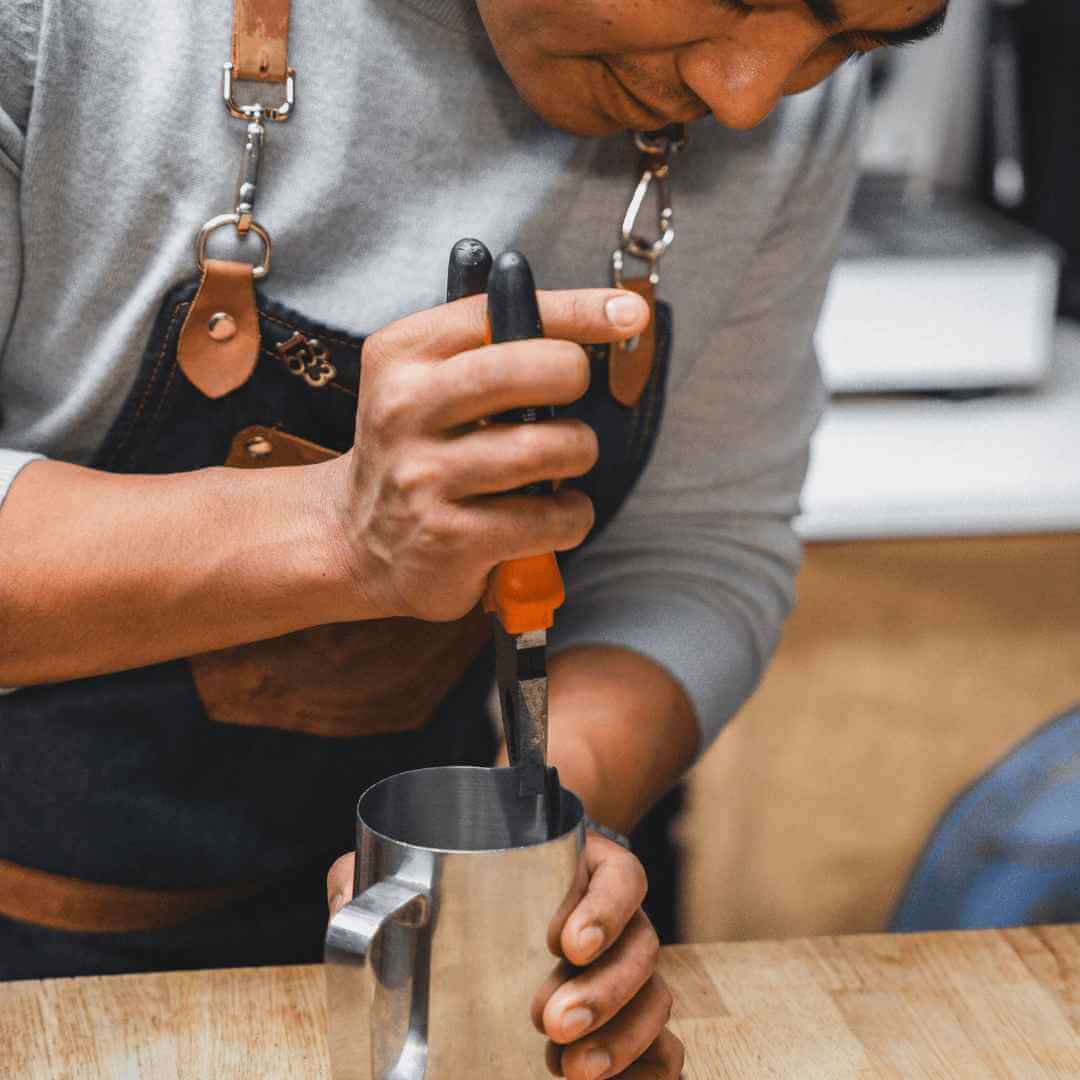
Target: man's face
column 593, row 67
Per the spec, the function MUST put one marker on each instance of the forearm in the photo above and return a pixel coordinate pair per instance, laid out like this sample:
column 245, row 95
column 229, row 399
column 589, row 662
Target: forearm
column 621, row 732
column 100, row 572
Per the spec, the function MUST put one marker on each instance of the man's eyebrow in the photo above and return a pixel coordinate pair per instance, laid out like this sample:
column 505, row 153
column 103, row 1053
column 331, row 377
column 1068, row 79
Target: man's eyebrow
column 828, row 14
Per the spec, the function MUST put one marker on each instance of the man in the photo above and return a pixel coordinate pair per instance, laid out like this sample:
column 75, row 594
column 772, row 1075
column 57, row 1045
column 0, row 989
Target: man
column 138, row 782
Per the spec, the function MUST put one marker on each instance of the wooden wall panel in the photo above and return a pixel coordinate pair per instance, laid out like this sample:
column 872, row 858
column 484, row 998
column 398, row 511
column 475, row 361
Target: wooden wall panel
column 907, row 670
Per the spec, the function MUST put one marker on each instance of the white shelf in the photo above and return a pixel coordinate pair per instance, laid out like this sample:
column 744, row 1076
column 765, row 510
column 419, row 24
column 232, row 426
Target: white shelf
column 907, row 465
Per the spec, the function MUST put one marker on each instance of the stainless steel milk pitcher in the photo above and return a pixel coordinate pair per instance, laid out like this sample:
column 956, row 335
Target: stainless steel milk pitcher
column 432, row 967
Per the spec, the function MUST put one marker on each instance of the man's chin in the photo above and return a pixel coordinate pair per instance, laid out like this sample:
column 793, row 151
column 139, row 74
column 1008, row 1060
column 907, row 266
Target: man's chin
column 586, row 121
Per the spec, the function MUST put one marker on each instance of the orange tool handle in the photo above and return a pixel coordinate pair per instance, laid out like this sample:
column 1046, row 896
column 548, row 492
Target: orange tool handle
column 524, row 593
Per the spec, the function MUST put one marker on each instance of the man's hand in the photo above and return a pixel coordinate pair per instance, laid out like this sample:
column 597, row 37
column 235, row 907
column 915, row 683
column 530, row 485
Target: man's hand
column 419, row 527
column 605, row 1009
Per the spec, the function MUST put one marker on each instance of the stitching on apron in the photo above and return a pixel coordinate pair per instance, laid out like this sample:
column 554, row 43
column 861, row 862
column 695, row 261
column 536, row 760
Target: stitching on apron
column 149, row 384
column 345, row 342
column 165, row 393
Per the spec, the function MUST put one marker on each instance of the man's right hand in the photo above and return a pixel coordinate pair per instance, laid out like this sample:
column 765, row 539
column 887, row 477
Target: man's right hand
column 420, row 526
column 104, row 571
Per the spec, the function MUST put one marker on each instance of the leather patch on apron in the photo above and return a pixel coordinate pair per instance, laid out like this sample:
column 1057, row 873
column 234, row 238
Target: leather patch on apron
column 219, row 343
column 367, row 678
column 259, row 447
column 374, row 677
column 260, row 39
column 629, row 369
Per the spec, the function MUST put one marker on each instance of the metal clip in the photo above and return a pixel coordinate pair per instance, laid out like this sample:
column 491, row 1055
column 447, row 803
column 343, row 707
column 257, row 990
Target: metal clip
column 656, row 150
column 248, row 181
column 243, row 217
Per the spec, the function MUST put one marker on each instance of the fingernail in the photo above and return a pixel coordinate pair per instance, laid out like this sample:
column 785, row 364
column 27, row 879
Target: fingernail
column 576, row 1021
column 623, row 310
column 590, row 939
column 597, row 1062
column 337, row 902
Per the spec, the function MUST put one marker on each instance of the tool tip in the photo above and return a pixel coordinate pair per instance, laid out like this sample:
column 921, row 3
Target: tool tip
column 467, row 274
column 470, row 252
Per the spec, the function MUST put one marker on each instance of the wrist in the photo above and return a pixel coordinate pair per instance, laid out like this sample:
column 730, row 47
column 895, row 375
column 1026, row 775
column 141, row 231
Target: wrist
column 303, row 509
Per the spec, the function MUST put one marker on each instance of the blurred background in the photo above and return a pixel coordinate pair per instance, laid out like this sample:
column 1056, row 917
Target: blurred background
column 911, row 760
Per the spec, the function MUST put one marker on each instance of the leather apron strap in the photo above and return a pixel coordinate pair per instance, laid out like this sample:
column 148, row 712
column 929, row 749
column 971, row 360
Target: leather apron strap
column 260, row 40
column 260, row 45
column 64, row 903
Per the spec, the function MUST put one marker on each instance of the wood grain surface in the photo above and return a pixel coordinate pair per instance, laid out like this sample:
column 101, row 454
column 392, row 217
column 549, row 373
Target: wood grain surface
column 993, row 1004
column 907, row 670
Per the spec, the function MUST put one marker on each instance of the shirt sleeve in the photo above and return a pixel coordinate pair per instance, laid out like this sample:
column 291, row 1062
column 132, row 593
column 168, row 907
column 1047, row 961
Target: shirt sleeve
column 697, row 570
column 18, row 35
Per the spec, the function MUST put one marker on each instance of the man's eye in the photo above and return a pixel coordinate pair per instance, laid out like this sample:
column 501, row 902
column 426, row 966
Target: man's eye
column 738, row 6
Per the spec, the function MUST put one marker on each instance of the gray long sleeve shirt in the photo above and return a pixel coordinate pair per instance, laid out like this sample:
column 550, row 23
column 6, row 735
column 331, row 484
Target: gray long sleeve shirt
column 115, row 148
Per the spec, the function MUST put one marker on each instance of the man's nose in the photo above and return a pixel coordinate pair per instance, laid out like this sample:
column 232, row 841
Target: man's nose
column 740, row 85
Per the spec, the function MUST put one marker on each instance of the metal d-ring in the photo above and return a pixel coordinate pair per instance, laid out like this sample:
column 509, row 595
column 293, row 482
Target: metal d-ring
column 215, row 223
column 281, row 112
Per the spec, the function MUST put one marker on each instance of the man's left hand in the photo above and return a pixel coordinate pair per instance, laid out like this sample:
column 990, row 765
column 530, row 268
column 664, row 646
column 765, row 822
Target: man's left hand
column 605, row 1009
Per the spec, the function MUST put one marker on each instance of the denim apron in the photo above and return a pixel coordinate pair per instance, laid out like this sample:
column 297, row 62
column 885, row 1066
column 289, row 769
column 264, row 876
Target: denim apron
column 167, row 777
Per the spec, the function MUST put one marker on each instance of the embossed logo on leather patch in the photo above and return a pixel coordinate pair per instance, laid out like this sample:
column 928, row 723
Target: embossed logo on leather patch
column 307, row 359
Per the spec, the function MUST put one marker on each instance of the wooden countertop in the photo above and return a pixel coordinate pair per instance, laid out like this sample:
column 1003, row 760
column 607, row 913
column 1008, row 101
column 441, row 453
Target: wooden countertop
column 986, row 1004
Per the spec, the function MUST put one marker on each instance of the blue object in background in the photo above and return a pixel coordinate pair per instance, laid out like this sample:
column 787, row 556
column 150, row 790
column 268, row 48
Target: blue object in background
column 1007, row 852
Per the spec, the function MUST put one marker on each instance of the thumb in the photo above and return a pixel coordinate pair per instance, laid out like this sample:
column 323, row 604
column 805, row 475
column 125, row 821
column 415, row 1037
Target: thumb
column 339, row 883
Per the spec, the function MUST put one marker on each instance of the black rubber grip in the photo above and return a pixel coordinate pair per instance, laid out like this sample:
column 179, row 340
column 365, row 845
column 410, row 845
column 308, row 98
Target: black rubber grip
column 514, row 315
column 512, row 307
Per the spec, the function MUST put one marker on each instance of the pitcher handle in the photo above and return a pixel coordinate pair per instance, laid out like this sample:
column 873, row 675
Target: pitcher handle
column 351, row 939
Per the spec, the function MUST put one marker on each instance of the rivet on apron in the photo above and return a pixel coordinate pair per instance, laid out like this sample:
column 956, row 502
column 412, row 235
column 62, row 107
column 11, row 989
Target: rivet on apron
column 222, row 326
column 259, row 447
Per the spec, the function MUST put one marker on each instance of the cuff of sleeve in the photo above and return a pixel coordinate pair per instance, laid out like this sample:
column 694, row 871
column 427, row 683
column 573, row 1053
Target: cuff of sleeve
column 11, row 464
column 711, row 653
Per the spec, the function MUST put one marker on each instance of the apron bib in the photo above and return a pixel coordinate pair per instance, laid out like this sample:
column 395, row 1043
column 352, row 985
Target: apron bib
column 185, row 813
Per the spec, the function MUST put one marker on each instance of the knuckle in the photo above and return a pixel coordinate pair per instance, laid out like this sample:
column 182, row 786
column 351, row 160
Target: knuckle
column 582, row 370
column 600, row 915
column 436, row 534
column 531, row 442
column 393, row 403
column 377, row 348
column 414, row 475
column 568, row 519
column 588, row 444
column 581, row 521
column 486, row 371
column 578, row 311
column 650, row 948
column 667, row 1000
column 572, row 370
column 635, row 875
